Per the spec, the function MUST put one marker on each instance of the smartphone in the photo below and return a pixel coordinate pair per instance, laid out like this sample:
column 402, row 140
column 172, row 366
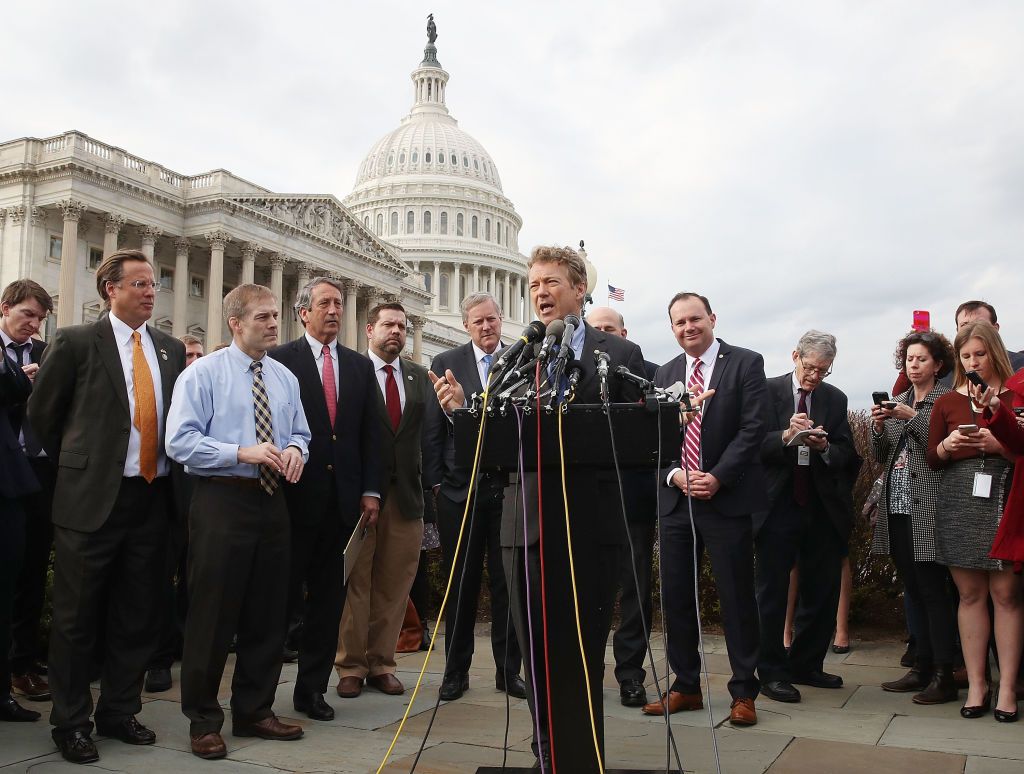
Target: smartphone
column 976, row 380
column 1018, row 410
column 968, row 429
column 879, row 397
column 922, row 320
column 888, row 404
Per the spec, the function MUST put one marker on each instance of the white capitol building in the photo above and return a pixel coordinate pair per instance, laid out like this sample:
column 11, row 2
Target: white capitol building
column 426, row 224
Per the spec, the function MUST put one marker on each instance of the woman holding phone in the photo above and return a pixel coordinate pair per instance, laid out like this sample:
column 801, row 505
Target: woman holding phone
column 975, row 476
column 905, row 529
column 1009, row 431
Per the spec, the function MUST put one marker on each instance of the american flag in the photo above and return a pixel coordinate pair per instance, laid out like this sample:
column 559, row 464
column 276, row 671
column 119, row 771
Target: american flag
column 616, row 294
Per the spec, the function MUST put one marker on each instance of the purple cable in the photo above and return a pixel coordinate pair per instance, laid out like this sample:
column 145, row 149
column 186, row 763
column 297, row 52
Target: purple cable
column 526, row 573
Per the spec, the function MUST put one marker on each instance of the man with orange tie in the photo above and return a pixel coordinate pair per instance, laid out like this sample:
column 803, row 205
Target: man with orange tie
column 99, row 407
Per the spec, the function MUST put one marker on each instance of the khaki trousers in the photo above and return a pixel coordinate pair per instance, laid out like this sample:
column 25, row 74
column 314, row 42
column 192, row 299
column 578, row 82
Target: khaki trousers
column 378, row 592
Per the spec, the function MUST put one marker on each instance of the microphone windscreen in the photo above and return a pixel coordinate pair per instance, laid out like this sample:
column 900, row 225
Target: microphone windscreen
column 556, row 328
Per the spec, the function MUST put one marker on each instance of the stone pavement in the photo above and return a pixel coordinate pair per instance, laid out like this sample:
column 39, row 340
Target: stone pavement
column 859, row 728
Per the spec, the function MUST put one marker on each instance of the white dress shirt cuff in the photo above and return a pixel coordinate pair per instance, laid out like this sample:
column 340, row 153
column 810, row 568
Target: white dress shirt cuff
column 671, row 475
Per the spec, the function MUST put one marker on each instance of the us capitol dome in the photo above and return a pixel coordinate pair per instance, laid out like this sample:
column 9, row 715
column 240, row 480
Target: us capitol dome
column 433, row 191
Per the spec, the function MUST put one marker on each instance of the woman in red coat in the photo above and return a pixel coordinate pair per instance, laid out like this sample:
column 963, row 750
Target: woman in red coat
column 1009, row 431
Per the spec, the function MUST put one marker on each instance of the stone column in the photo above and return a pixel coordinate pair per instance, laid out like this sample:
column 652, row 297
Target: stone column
column 435, row 304
column 303, row 276
column 506, row 293
column 476, row 278
column 351, row 327
column 494, row 282
column 111, row 231
column 215, row 289
column 67, row 313
column 417, row 339
column 277, row 262
column 148, row 235
column 249, row 250
column 513, row 313
column 453, row 288
column 182, row 284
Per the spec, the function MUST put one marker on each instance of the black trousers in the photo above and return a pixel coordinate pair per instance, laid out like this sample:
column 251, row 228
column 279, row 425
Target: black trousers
column 12, row 546
column 30, row 589
column 318, row 564
column 803, row 536
column 239, row 553
column 481, row 539
column 174, row 601
column 630, row 641
column 109, row 578
column 729, row 543
column 928, row 585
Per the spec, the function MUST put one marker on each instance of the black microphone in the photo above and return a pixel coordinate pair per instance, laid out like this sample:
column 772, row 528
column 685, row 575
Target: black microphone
column 554, row 331
column 565, row 353
column 601, row 360
column 563, row 365
column 624, row 373
column 532, row 333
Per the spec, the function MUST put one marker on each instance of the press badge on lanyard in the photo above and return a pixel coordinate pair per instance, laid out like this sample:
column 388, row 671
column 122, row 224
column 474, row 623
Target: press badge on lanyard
column 982, row 485
column 803, row 455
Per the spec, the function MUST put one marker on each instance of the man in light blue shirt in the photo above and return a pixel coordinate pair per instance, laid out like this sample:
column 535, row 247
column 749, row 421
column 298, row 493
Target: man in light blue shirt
column 236, row 422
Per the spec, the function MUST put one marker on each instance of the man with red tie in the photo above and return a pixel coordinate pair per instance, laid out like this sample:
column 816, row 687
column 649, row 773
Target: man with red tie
column 378, row 586
column 339, row 484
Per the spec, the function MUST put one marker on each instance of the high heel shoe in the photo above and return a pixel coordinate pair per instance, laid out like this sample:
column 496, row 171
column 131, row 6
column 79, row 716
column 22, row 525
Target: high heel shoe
column 979, row 710
column 1005, row 717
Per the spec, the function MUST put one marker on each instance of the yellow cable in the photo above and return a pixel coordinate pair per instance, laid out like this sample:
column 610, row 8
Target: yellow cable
column 448, row 587
column 575, row 598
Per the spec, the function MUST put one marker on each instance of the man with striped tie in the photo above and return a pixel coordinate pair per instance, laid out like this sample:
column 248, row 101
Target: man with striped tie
column 719, row 479
column 237, row 424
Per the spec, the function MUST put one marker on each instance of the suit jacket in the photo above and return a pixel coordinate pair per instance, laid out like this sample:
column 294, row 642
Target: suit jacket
column 832, row 482
column 593, row 492
column 402, row 451
column 346, row 453
column 79, row 411
column 732, row 429
column 16, row 476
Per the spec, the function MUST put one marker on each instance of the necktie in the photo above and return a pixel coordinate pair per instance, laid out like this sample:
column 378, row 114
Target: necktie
column 264, row 424
column 145, row 409
column 487, row 360
column 802, row 473
column 330, row 391
column 691, row 444
column 28, row 436
column 392, row 399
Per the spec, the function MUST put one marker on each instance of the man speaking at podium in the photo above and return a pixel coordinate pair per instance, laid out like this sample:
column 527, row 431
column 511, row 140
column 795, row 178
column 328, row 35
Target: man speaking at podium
column 558, row 282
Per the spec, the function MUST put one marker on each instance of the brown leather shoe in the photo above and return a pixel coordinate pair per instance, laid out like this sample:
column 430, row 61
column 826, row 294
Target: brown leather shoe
column 350, row 687
column 677, row 702
column 31, row 686
column 742, row 713
column 269, row 728
column 386, row 683
column 209, row 746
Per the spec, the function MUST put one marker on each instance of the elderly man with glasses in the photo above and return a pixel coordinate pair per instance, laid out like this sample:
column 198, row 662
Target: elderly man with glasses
column 811, row 463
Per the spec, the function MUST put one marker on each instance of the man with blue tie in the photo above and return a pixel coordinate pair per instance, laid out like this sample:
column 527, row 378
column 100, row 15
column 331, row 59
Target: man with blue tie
column 237, row 424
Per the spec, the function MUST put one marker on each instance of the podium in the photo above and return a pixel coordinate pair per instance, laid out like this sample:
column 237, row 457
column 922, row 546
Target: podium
column 643, row 433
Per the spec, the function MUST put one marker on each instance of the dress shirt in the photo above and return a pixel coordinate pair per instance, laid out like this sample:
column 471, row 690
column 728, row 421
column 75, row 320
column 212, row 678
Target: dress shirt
column 382, row 375
column 318, row 355
column 809, row 400
column 707, row 362
column 481, row 368
column 125, row 344
column 212, row 413
column 26, row 359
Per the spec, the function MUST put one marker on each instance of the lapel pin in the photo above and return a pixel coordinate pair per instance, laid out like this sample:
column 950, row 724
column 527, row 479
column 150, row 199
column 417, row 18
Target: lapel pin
column 163, row 353
column 409, row 377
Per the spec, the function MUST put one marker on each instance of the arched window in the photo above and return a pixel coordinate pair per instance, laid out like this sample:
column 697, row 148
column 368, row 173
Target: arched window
column 380, row 224
column 465, row 161
column 428, row 278
column 394, row 222
column 455, row 161
column 391, row 160
column 410, row 221
column 506, row 237
column 462, row 285
column 487, row 229
column 401, row 157
column 497, row 225
column 458, row 224
column 476, row 165
column 366, row 220
column 426, row 222
column 415, row 155
column 443, row 291
column 426, row 157
column 473, row 231
column 443, row 224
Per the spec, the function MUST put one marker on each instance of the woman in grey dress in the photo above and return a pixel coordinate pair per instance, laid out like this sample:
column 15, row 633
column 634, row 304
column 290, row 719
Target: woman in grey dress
column 975, row 475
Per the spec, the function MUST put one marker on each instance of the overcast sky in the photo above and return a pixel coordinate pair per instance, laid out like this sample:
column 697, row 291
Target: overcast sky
column 833, row 165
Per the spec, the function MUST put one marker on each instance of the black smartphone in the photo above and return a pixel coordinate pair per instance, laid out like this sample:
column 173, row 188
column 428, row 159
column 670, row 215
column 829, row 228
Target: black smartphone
column 976, row 380
column 879, row 397
column 1018, row 410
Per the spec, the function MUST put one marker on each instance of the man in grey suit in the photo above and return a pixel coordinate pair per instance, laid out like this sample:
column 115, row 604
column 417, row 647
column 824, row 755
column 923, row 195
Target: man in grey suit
column 99, row 407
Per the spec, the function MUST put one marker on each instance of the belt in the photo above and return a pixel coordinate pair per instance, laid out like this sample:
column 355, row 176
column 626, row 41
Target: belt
column 242, row 481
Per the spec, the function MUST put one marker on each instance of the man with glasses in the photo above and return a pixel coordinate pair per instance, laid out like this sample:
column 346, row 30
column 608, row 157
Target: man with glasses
column 99, row 407
column 811, row 463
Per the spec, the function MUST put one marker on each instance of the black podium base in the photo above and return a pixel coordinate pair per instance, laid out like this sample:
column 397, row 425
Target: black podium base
column 528, row 770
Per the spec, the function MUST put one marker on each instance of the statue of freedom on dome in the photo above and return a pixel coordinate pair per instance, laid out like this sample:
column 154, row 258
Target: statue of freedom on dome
column 431, row 29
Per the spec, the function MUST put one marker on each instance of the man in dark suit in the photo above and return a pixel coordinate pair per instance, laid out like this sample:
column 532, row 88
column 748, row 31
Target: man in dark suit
column 470, row 364
column 24, row 306
column 16, row 482
column 112, row 502
column 340, row 482
column 719, row 477
column 558, row 283
column 807, row 520
column 640, row 493
column 378, row 586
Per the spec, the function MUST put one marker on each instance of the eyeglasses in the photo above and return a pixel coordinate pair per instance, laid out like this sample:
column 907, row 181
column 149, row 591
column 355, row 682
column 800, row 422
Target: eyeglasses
column 143, row 284
column 815, row 370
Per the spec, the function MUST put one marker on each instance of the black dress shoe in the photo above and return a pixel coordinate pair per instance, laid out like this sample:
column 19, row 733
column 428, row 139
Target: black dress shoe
column 128, row 730
column 425, row 641
column 977, row 710
column 12, row 712
column 76, row 747
column 780, row 690
column 632, row 693
column 315, row 707
column 289, row 655
column 513, row 685
column 818, row 679
column 453, row 686
column 546, row 766
column 1005, row 717
column 158, row 680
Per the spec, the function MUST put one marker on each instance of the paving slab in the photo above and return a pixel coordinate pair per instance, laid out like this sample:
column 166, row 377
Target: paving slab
column 745, row 751
column 326, row 749
column 813, row 756
column 448, row 757
column 468, row 724
column 982, row 765
column 982, row 736
column 821, row 723
column 130, row 759
column 871, row 698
